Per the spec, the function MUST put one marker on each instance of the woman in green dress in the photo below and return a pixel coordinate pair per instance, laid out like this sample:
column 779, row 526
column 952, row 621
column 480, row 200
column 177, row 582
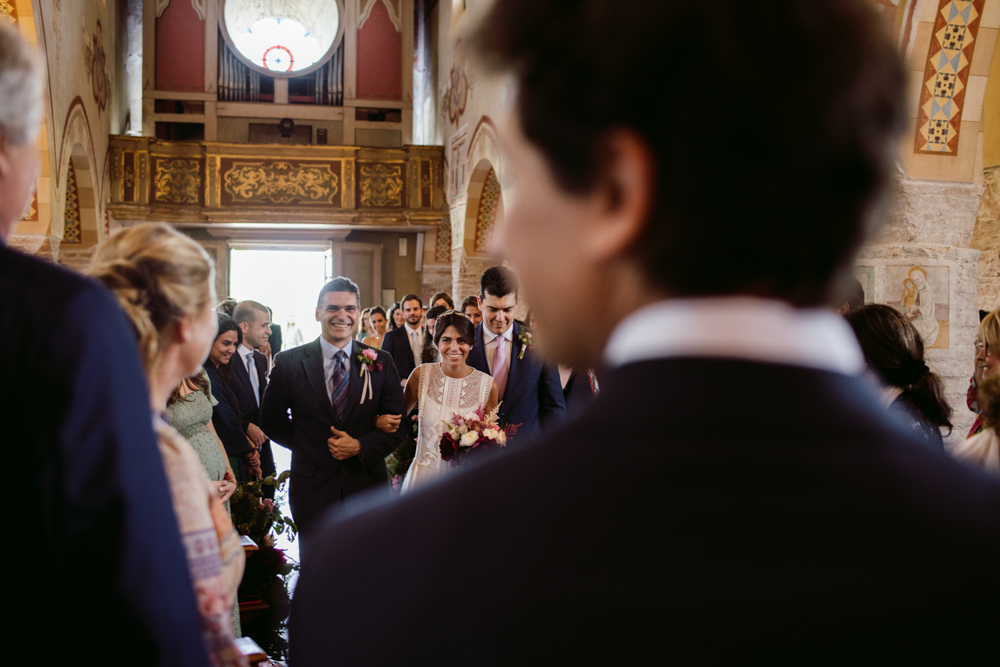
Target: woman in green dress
column 190, row 410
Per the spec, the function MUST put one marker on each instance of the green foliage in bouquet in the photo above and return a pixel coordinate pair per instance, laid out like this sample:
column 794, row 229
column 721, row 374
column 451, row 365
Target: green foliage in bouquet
column 257, row 516
column 267, row 570
column 399, row 461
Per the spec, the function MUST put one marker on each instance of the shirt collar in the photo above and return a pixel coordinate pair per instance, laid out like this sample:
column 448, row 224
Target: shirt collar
column 244, row 351
column 488, row 335
column 409, row 330
column 738, row 328
column 330, row 350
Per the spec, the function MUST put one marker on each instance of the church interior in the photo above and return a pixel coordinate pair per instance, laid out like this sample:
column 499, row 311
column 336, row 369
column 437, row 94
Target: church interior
column 362, row 130
column 379, row 145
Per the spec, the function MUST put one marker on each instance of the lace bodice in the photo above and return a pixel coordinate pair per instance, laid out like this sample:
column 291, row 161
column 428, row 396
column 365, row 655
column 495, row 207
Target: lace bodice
column 439, row 397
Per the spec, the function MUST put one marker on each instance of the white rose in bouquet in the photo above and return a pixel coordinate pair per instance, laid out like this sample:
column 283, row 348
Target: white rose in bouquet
column 469, row 438
column 490, row 433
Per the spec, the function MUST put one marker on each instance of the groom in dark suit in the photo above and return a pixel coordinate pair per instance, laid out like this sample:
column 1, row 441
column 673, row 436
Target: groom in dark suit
column 736, row 493
column 316, row 405
column 530, row 391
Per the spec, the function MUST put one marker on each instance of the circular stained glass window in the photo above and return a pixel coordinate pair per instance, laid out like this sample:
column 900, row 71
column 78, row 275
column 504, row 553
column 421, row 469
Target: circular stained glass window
column 302, row 38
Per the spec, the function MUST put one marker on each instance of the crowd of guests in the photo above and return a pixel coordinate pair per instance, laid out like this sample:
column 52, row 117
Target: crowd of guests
column 669, row 516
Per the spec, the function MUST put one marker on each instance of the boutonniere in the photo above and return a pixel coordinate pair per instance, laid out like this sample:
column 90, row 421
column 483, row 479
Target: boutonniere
column 369, row 361
column 527, row 345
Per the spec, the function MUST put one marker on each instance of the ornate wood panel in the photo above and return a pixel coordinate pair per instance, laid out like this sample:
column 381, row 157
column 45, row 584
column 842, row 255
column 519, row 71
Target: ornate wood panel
column 208, row 182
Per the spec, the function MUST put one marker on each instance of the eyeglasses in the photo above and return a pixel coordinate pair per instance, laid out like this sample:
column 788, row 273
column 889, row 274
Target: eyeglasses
column 980, row 346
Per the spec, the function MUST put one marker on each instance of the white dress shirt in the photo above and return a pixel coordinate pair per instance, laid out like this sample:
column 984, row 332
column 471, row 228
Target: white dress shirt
column 737, row 328
column 490, row 344
column 417, row 347
column 329, row 352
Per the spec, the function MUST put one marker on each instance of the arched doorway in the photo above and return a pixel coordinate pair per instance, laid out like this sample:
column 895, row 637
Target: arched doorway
column 483, row 211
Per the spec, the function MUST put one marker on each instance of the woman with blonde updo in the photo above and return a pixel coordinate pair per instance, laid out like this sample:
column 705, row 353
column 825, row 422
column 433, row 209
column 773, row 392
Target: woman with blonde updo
column 163, row 281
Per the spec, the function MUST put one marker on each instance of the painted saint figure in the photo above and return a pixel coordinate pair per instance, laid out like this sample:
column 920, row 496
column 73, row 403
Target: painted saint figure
column 918, row 305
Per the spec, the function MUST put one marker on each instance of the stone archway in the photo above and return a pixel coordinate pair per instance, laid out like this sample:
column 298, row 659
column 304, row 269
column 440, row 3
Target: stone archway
column 483, row 209
column 77, row 205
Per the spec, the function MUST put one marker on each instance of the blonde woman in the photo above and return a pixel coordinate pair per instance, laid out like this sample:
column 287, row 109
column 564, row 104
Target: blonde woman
column 163, row 281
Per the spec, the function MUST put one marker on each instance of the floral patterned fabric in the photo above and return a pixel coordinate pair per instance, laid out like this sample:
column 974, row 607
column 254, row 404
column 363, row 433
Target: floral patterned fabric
column 213, row 550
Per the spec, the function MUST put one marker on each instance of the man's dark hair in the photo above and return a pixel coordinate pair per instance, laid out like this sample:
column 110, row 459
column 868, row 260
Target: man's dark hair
column 410, row 297
column 246, row 311
column 498, row 281
column 339, row 284
column 463, row 324
column 803, row 162
column 469, row 301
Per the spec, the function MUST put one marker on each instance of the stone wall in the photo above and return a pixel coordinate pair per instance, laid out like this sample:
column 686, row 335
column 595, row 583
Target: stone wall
column 986, row 238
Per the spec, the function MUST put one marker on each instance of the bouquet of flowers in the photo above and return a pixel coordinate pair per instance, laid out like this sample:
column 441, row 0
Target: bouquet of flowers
column 475, row 431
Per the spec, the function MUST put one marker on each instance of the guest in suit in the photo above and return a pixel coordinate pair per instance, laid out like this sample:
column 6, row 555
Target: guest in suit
column 530, row 391
column 243, row 457
column 336, row 449
column 405, row 344
column 735, row 493
column 250, row 376
column 94, row 516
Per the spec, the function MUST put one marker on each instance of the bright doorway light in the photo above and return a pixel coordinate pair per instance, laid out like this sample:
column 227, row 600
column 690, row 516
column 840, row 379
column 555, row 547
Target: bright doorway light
column 287, row 281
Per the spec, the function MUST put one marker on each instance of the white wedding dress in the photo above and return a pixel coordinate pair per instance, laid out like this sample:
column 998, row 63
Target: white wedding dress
column 439, row 397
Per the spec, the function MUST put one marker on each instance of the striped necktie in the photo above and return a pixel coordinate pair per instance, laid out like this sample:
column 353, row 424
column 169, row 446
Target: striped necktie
column 339, row 382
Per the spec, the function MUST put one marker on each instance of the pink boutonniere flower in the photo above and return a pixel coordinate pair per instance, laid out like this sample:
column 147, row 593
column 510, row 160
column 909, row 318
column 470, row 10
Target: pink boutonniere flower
column 369, row 362
column 527, row 345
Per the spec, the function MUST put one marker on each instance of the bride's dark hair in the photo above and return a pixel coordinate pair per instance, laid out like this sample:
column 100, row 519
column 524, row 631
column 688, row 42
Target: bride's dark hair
column 466, row 332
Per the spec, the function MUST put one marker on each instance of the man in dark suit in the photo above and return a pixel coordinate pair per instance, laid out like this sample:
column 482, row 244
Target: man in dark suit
column 736, row 491
column 404, row 344
column 334, row 397
column 95, row 529
column 530, row 391
column 249, row 369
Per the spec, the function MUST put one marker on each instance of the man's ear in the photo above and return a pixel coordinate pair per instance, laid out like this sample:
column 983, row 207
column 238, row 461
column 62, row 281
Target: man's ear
column 317, row 314
column 625, row 194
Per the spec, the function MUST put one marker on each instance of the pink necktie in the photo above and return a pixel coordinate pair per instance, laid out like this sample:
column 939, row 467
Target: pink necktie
column 500, row 365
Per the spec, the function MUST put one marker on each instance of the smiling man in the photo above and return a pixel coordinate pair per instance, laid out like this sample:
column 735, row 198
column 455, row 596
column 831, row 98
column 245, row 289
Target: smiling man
column 405, row 344
column 530, row 391
column 316, row 405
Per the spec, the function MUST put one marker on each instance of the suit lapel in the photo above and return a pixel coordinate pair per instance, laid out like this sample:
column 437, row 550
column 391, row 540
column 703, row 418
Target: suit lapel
column 356, row 381
column 260, row 361
column 477, row 357
column 240, row 371
column 515, row 364
column 313, row 363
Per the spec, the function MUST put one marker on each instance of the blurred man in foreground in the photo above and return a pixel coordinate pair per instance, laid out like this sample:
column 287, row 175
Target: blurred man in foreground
column 735, row 490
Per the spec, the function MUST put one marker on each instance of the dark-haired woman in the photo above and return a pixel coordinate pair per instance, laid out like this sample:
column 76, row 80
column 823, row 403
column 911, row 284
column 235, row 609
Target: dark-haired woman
column 429, row 354
column 894, row 351
column 395, row 317
column 244, row 459
column 444, row 389
column 379, row 320
column 443, row 299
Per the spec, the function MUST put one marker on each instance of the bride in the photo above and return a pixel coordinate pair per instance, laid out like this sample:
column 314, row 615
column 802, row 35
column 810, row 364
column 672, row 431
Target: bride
column 441, row 390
